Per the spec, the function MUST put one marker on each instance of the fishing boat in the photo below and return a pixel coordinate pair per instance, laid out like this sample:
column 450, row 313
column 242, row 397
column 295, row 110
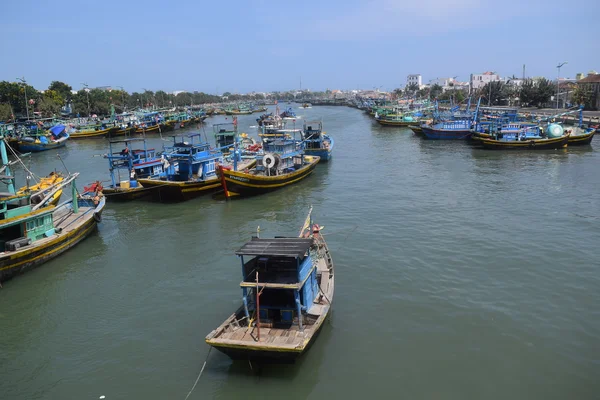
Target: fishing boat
column 225, row 135
column 397, row 118
column 528, row 137
column 282, row 164
column 288, row 114
column 316, row 142
column 56, row 137
column 91, row 131
column 126, row 167
column 455, row 129
column 287, row 292
column 42, row 188
column 190, row 170
column 33, row 232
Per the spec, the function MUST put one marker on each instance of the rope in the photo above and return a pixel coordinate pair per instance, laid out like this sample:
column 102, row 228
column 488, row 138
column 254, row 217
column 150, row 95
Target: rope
column 199, row 375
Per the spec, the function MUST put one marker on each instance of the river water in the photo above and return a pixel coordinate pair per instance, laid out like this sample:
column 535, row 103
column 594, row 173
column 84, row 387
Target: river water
column 461, row 273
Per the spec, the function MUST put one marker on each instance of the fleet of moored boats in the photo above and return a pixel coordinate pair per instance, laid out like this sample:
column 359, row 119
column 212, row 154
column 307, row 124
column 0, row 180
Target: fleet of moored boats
column 287, row 282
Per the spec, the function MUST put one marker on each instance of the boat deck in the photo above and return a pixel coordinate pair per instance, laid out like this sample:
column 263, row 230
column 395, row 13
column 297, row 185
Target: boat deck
column 285, row 336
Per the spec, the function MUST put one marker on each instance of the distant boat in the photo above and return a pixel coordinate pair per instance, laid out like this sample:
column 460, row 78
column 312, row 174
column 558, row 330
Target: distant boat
column 287, row 289
column 56, row 137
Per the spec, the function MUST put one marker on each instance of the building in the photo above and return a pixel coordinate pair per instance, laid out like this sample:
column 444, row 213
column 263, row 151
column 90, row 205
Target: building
column 414, row 79
column 591, row 85
column 480, row 80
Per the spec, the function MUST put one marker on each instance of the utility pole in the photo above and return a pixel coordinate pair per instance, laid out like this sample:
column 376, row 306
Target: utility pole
column 87, row 95
column 558, row 82
column 25, row 89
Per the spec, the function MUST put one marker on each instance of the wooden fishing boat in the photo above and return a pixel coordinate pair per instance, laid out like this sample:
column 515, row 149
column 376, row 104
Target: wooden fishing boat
column 527, row 144
column 33, row 232
column 448, row 130
column 42, row 188
column 126, row 167
column 56, row 137
column 316, row 142
column 283, row 164
column 91, row 132
column 287, row 291
column 190, row 170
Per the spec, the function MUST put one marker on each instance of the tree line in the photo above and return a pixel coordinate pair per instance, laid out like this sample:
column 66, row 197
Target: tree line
column 531, row 92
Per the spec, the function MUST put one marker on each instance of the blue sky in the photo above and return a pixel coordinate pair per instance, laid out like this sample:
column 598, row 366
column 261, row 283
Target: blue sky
column 242, row 46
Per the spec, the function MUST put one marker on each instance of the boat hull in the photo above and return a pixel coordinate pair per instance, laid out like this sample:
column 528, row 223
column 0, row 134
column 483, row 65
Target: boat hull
column 417, row 130
column 172, row 192
column 29, row 147
column 394, row 123
column 539, row 144
column 90, row 134
column 18, row 262
column 581, row 140
column 323, row 154
column 266, row 354
column 440, row 134
column 122, row 195
column 238, row 183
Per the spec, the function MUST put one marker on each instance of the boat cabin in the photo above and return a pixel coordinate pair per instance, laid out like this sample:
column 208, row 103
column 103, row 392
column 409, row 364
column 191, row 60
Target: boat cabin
column 123, row 158
column 18, row 226
column 284, row 274
column 189, row 159
column 313, row 134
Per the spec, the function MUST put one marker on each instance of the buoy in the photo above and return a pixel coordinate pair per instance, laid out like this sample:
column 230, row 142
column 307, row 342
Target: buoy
column 102, row 397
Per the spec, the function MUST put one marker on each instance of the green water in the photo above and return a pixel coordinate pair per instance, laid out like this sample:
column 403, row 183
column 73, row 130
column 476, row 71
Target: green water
column 461, row 274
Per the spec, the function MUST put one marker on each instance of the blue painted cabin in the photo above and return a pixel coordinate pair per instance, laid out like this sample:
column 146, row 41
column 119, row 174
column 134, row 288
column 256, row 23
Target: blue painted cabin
column 287, row 280
column 190, row 159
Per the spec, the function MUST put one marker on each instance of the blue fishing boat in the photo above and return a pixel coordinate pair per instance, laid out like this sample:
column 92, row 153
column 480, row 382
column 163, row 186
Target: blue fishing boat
column 54, row 138
column 126, row 166
column 316, row 142
column 190, row 169
column 287, row 292
column 456, row 125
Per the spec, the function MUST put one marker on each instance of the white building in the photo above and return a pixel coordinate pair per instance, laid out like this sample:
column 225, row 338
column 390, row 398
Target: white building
column 414, row 78
column 480, row 80
column 175, row 93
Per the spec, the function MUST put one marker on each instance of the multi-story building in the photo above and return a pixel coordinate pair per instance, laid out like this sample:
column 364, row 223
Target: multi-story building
column 414, row 79
column 480, row 80
column 591, row 85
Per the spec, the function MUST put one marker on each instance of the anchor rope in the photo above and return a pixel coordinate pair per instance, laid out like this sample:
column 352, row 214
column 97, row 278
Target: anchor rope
column 199, row 375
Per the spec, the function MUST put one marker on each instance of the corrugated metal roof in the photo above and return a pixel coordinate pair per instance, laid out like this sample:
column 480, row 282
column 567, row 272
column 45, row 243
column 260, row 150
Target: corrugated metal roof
column 283, row 247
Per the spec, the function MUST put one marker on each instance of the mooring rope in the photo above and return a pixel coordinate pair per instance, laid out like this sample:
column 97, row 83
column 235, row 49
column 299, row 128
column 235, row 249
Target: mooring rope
column 199, row 375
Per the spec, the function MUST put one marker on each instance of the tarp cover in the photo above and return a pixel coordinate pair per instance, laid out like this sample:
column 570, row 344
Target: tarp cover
column 55, row 130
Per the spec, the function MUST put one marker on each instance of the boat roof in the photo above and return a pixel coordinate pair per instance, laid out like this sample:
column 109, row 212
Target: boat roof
column 283, row 247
